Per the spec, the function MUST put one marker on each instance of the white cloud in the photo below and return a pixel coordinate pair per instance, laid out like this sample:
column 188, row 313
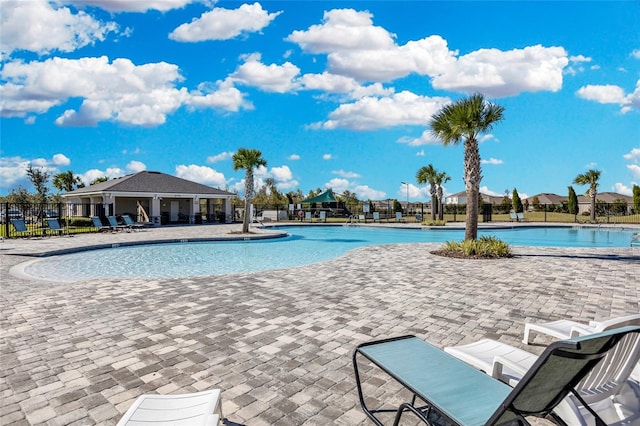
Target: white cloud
column 136, row 166
column 294, row 157
column 138, row 5
column 224, row 24
column 492, row 161
column 119, row 91
column 282, row 173
column 13, row 170
column 633, row 155
column 201, row 174
column 497, row 73
column 38, row 26
column 338, row 185
column 621, row 188
column 220, row 157
column 487, row 191
column 93, row 174
column 343, row 30
column 612, row 94
column 327, row 157
column 333, row 83
column 636, row 54
column 634, row 169
column 404, row 108
column 345, row 174
column 420, row 153
column 426, row 138
column 269, row 78
column 364, row 192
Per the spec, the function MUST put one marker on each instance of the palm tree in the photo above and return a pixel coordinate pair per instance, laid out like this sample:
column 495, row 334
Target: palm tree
column 463, row 121
column 247, row 159
column 66, row 181
column 590, row 178
column 428, row 174
column 440, row 179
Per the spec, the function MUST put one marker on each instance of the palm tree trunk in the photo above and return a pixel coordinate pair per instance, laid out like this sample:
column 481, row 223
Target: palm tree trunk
column 440, row 209
column 248, row 195
column 434, row 202
column 592, row 195
column 472, row 178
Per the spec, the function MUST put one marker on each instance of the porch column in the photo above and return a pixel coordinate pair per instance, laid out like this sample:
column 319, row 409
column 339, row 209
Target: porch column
column 154, row 211
column 228, row 211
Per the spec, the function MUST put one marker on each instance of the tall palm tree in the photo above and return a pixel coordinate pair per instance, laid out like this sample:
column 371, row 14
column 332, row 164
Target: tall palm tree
column 590, row 178
column 463, row 121
column 247, row 159
column 441, row 178
column 428, row 174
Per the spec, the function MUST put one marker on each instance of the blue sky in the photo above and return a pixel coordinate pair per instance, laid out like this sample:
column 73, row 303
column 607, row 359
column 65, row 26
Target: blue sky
column 334, row 94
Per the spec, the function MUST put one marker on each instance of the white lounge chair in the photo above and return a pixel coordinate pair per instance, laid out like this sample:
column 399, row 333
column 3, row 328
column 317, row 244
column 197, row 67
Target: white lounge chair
column 606, row 391
column 191, row 409
column 565, row 329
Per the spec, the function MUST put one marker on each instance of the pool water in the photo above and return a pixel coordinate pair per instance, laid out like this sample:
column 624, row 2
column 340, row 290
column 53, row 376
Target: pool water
column 304, row 245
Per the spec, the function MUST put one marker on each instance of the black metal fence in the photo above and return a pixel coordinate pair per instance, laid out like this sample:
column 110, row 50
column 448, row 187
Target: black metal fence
column 76, row 218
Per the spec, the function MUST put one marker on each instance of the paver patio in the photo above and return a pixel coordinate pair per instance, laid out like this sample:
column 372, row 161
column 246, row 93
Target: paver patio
column 278, row 343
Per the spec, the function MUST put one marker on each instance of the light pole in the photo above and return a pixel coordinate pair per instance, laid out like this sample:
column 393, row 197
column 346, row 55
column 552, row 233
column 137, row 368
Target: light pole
column 405, row 183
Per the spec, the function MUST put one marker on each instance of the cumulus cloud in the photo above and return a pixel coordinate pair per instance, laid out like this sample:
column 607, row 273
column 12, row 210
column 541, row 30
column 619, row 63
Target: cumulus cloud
column 13, row 170
column 41, row 27
column 269, row 78
column 345, row 174
column 612, row 94
column 633, row 155
column 497, row 73
column 137, row 5
column 492, row 161
column 220, row 157
column 136, row 166
column 338, row 185
column 119, row 91
column 201, row 174
column 404, row 108
column 294, row 157
column 93, row 174
column 327, row 157
column 364, row 192
column 636, row 54
column 426, row 138
column 224, row 24
column 634, row 169
column 487, row 191
column 623, row 189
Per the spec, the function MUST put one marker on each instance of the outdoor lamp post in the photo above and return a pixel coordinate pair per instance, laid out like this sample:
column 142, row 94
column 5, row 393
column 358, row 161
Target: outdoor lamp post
column 405, row 183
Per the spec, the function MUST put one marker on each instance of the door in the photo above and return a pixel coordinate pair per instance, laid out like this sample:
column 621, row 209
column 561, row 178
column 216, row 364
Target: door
column 175, row 208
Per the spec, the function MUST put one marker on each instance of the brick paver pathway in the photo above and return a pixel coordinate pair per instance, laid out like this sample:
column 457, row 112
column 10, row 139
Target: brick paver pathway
column 277, row 343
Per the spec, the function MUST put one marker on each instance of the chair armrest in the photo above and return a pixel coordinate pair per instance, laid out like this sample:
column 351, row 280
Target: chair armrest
column 577, row 331
column 499, row 362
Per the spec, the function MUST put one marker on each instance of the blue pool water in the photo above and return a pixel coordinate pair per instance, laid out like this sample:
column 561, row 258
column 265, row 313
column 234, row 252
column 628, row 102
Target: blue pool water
column 305, row 245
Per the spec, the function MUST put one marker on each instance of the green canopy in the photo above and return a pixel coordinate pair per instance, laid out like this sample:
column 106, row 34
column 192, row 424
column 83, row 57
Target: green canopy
column 325, row 197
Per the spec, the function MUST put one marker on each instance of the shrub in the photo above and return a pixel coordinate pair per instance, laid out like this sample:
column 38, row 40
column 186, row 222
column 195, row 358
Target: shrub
column 485, row 247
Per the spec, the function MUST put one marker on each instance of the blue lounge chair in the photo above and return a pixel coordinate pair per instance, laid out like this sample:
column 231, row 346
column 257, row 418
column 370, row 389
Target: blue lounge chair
column 54, row 226
column 448, row 390
column 131, row 224
column 115, row 226
column 20, row 227
column 97, row 223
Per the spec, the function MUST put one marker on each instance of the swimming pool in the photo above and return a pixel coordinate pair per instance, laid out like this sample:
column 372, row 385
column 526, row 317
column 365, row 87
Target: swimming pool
column 304, row 245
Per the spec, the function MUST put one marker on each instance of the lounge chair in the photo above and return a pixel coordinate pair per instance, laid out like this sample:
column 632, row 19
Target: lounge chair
column 635, row 239
column 376, row 216
column 323, row 216
column 455, row 392
column 307, row 216
column 565, row 329
column 131, row 224
column 201, row 408
column 513, row 217
column 606, row 392
column 115, row 226
column 399, row 217
column 54, row 226
column 520, row 217
column 97, row 223
column 20, row 226
column 362, row 218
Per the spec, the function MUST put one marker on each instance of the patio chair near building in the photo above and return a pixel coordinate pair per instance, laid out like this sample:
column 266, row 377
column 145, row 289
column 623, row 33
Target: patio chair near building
column 136, row 226
column 565, row 329
column 115, row 226
column 97, row 223
column 55, row 226
column 20, row 227
column 445, row 389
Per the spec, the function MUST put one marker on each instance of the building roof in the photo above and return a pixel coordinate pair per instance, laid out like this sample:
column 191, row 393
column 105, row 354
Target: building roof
column 606, row 197
column 149, row 182
column 548, row 198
